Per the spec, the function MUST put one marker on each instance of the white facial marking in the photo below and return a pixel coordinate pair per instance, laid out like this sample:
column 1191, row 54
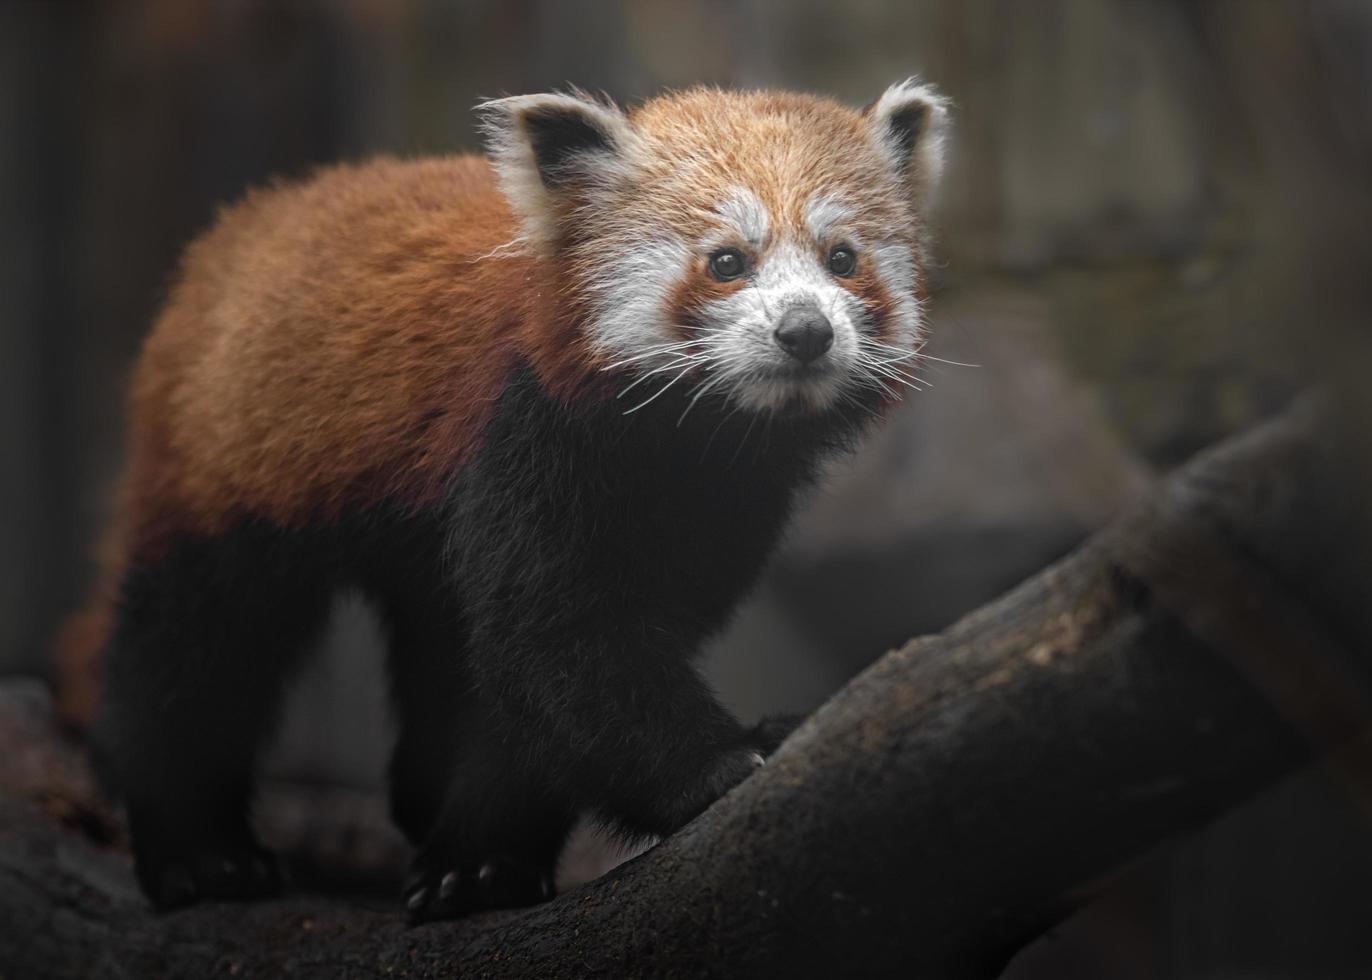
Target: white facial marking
column 895, row 267
column 733, row 348
column 760, row 373
column 629, row 300
column 747, row 214
column 825, row 216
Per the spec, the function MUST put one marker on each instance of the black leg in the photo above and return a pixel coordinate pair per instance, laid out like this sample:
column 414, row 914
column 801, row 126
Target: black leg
column 638, row 739
column 203, row 644
column 464, row 787
column 629, row 727
column 674, row 751
column 431, row 689
column 498, row 835
column 770, row 732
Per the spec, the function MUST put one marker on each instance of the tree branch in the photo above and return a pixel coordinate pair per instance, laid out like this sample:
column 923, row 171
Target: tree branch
column 948, row 804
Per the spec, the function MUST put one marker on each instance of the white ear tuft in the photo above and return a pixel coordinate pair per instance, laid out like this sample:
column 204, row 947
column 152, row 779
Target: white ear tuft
column 910, row 123
column 554, row 148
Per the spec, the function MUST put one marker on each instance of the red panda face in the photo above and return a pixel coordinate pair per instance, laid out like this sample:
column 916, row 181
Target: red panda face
column 765, row 246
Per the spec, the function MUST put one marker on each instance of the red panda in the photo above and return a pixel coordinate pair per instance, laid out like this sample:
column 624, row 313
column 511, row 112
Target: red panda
column 550, row 409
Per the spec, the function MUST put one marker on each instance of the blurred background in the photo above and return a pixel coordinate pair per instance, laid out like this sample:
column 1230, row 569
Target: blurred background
column 1154, row 232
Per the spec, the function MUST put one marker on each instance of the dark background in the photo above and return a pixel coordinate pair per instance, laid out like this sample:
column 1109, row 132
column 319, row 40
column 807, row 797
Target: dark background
column 1153, row 233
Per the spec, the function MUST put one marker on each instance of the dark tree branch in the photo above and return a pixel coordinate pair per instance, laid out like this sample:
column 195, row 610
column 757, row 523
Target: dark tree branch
column 953, row 800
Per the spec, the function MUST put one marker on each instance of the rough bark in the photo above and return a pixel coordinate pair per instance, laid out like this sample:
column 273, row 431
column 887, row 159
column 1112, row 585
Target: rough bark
column 953, row 800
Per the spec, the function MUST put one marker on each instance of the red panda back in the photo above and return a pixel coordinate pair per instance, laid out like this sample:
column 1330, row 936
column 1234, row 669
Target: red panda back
column 327, row 344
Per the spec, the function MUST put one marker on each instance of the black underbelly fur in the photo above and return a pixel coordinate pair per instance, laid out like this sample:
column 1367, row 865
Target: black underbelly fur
column 542, row 624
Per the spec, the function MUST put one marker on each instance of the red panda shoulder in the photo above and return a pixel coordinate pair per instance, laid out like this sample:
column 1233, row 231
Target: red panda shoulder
column 333, row 344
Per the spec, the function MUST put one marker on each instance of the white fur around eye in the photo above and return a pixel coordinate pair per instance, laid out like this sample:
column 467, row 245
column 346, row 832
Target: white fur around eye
column 630, row 298
column 741, row 328
column 825, row 216
column 896, row 271
column 747, row 215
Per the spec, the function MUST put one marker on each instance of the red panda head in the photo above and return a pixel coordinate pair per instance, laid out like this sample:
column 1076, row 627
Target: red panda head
column 766, row 243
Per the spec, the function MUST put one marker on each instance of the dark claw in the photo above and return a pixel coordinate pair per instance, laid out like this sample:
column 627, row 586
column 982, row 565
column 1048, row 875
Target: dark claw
column 499, row 882
column 436, row 896
column 239, row 876
column 242, row 872
column 771, row 731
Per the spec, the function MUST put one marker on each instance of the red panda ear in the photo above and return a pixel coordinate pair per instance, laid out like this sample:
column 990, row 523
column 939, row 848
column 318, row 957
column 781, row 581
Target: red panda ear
column 551, row 147
column 910, row 124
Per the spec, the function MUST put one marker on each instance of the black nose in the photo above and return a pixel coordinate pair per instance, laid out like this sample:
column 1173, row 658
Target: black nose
column 804, row 333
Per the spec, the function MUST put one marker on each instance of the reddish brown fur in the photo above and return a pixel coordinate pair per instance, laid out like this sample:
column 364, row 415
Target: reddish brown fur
column 330, row 344
column 782, row 146
column 867, row 286
column 693, row 293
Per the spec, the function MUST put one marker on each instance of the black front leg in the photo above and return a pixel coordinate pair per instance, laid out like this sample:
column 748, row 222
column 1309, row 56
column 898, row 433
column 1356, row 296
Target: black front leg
column 592, row 557
column 568, row 724
column 497, row 836
column 625, row 723
column 770, row 732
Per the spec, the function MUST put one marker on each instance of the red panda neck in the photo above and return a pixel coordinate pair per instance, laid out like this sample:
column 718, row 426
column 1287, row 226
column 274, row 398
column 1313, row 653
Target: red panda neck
column 556, row 339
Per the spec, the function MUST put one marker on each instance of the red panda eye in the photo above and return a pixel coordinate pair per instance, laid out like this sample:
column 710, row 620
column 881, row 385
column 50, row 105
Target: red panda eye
column 842, row 261
column 727, row 264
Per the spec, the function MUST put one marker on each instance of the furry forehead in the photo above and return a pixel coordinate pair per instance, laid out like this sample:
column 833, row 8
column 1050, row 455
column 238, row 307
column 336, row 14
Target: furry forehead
column 564, row 158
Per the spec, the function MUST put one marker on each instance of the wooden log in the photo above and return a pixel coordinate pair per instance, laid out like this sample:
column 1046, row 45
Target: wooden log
column 956, row 798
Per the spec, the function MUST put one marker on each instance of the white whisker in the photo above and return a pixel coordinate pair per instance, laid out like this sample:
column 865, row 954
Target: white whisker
column 738, row 407
column 746, row 433
column 700, row 390
column 918, row 352
column 874, row 370
column 871, row 382
column 900, row 380
column 659, row 392
column 651, row 352
column 907, row 378
column 941, row 360
column 689, row 360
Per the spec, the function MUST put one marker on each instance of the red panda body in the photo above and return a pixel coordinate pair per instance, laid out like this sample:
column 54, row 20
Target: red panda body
column 330, row 345
column 511, row 400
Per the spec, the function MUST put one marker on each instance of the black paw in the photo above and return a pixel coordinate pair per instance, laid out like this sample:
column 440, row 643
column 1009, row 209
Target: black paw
column 733, row 768
column 771, row 731
column 676, row 810
column 236, row 873
column 440, row 890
